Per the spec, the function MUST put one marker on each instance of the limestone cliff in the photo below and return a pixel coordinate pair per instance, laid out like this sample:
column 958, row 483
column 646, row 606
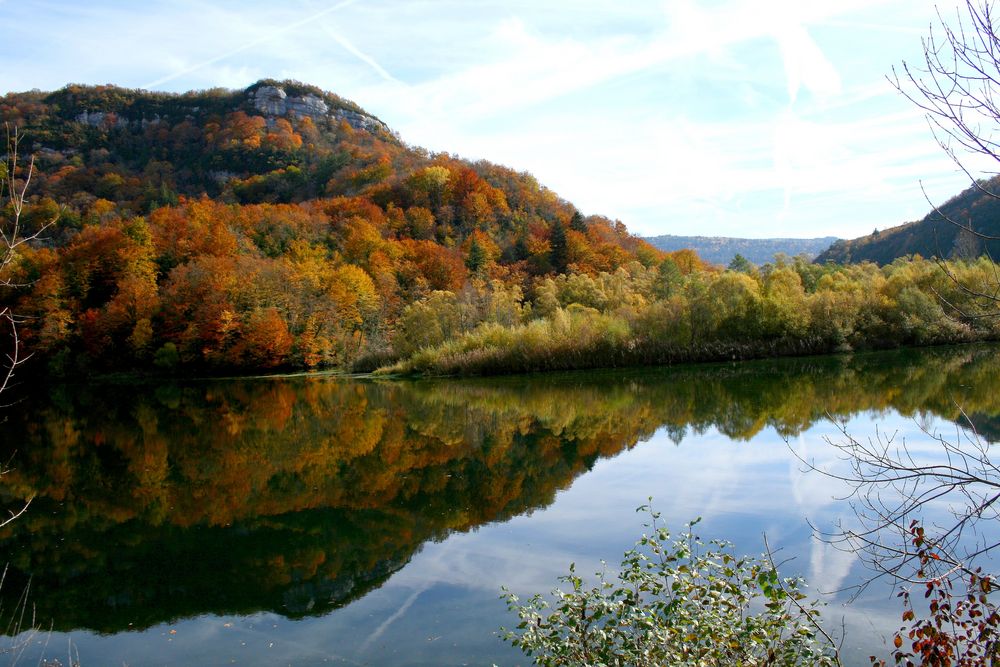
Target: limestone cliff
column 272, row 101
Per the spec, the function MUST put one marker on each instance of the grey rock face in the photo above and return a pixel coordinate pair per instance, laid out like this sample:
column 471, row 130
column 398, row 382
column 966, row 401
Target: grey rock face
column 93, row 118
column 221, row 176
column 310, row 105
column 99, row 118
column 360, row 121
column 270, row 100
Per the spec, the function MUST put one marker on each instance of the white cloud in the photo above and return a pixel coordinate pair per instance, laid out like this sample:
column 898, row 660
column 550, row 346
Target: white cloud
column 735, row 117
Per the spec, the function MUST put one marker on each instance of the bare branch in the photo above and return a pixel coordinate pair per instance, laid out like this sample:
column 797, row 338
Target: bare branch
column 14, row 194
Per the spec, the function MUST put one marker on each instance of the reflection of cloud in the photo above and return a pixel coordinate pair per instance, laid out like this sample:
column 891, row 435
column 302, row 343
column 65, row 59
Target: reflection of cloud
column 829, row 566
column 816, row 497
column 463, row 559
column 384, row 625
column 741, row 489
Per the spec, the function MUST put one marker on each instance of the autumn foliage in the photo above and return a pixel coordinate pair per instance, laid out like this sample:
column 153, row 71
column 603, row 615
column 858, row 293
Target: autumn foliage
column 960, row 628
column 198, row 232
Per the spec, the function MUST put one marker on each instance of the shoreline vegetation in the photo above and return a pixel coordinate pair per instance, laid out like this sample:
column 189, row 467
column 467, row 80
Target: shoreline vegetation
column 660, row 317
column 637, row 316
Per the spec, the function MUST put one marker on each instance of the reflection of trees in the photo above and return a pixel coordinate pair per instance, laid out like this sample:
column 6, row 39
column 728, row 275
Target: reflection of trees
column 116, row 576
column 295, row 495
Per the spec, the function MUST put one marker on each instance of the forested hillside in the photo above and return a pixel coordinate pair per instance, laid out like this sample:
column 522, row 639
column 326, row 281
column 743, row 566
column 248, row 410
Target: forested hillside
column 939, row 234
column 282, row 227
column 275, row 226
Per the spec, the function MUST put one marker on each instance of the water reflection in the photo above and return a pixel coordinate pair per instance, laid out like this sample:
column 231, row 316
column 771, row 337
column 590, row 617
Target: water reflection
column 299, row 495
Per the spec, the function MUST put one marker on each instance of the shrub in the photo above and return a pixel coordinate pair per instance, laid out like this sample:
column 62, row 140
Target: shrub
column 675, row 602
column 167, row 357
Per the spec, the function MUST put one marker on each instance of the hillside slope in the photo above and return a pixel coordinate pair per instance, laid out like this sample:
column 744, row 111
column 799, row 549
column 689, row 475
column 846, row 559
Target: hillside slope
column 935, row 235
column 274, row 226
column 281, row 227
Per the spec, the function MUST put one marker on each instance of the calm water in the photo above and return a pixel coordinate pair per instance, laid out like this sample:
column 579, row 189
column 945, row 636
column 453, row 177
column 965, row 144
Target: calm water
column 313, row 520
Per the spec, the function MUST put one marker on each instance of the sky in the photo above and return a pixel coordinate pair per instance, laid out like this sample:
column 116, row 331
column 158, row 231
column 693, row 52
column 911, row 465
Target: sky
column 751, row 118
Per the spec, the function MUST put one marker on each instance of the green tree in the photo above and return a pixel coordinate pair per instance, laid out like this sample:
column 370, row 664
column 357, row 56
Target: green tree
column 741, row 264
column 477, row 257
column 668, row 279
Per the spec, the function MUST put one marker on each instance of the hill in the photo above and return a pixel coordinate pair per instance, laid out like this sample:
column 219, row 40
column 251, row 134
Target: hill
column 283, row 227
column 276, row 226
column 722, row 249
column 935, row 235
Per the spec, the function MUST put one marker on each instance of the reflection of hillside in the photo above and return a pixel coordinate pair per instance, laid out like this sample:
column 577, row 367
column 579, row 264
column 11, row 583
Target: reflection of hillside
column 739, row 400
column 987, row 426
column 132, row 575
column 290, row 495
column 297, row 495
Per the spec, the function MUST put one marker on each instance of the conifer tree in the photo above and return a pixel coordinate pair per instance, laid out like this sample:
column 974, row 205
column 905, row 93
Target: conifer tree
column 477, row 258
column 558, row 254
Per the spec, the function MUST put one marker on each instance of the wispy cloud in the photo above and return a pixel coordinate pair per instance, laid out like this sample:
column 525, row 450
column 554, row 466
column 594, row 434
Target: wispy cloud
column 270, row 35
column 357, row 53
column 736, row 117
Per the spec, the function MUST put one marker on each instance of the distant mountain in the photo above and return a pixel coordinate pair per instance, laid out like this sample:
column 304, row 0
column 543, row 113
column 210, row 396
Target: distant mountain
column 936, row 235
column 722, row 249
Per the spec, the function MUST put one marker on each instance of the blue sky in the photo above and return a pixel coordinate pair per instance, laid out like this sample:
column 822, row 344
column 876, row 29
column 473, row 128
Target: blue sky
column 721, row 117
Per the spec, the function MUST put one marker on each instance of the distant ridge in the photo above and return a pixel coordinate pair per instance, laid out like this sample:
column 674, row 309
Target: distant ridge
column 935, row 235
column 722, row 249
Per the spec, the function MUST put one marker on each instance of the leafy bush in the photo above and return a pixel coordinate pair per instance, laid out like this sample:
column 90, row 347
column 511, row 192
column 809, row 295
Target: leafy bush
column 675, row 602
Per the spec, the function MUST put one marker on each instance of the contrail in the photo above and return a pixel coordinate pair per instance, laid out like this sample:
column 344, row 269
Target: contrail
column 395, row 615
column 250, row 45
column 360, row 55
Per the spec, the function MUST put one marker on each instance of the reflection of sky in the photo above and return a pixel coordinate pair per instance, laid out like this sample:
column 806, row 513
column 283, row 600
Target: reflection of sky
column 443, row 608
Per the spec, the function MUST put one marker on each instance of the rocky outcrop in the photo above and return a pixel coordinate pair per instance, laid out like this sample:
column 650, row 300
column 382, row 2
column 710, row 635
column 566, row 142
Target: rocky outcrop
column 111, row 119
column 359, row 121
column 270, row 100
column 309, row 105
column 92, row 118
column 273, row 101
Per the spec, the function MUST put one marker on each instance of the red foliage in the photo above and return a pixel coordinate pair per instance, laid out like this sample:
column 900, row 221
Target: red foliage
column 443, row 268
column 265, row 341
column 960, row 630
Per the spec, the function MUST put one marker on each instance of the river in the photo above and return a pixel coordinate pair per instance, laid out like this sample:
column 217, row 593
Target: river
column 320, row 520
